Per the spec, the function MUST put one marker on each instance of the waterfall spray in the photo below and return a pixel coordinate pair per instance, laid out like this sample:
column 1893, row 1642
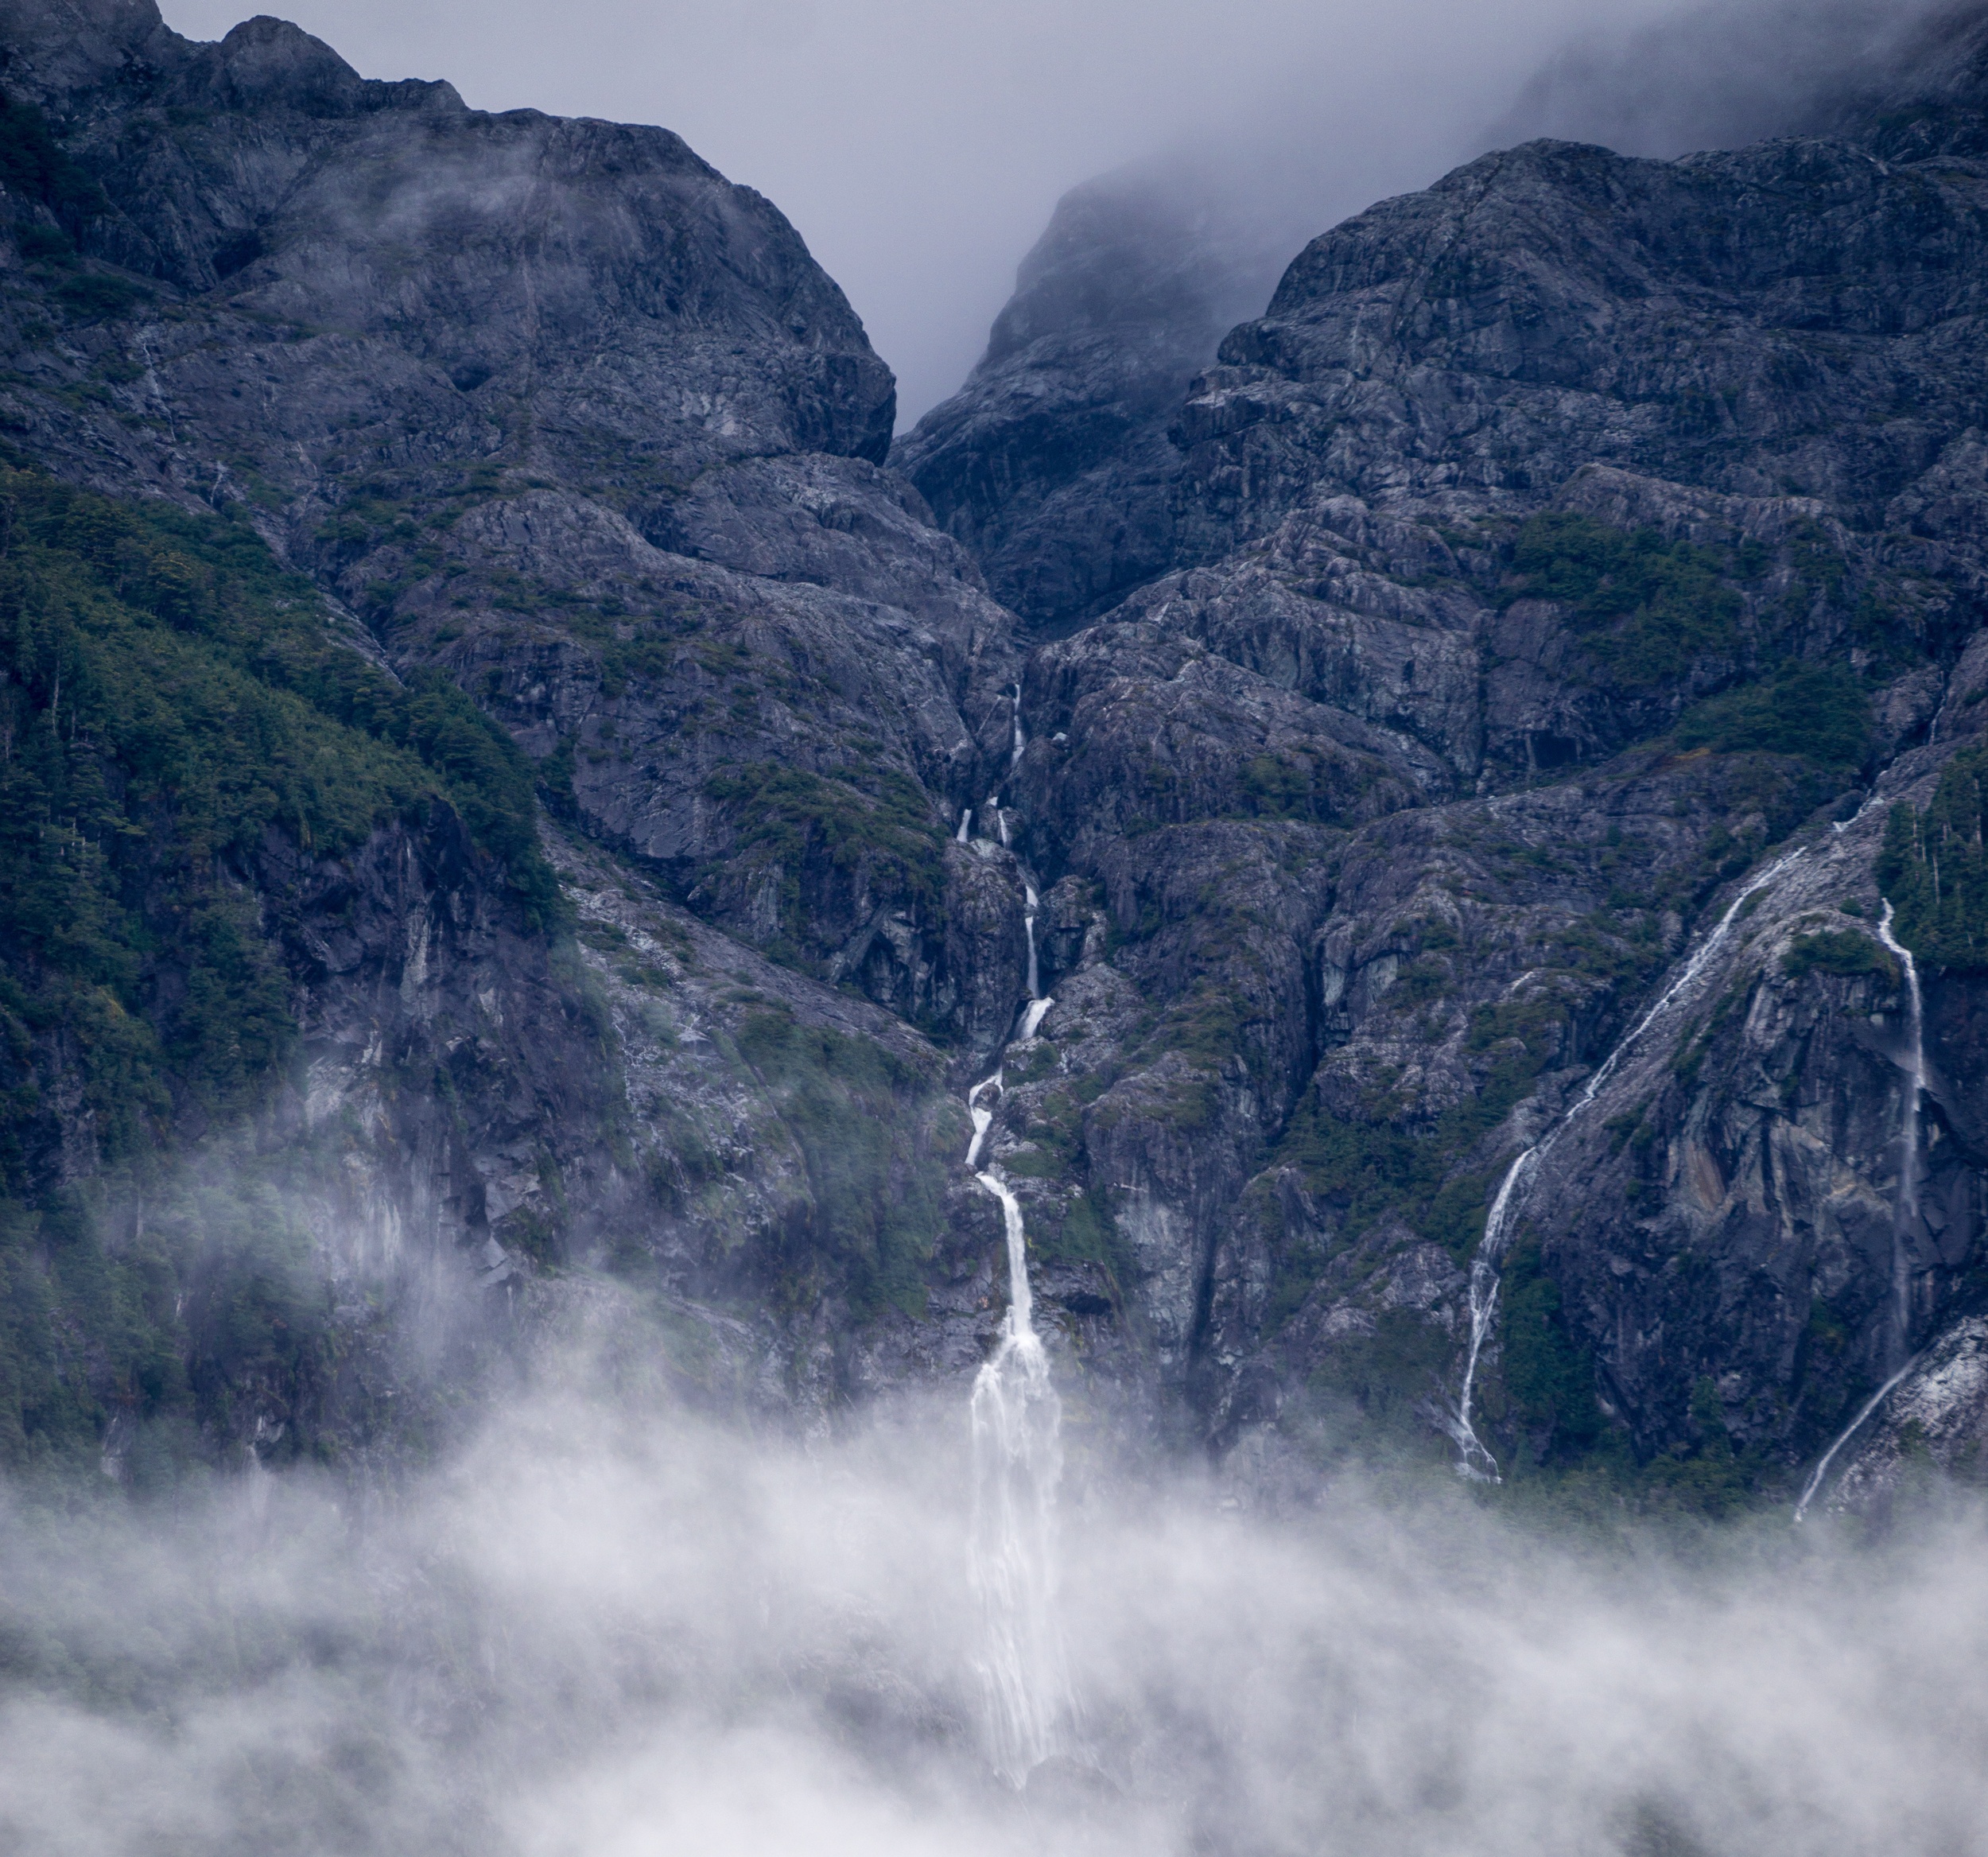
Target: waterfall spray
column 1474, row 1459
column 1905, row 1214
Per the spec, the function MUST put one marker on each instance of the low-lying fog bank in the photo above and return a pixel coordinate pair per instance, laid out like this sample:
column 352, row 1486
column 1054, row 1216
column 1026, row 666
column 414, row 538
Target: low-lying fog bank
column 608, row 1626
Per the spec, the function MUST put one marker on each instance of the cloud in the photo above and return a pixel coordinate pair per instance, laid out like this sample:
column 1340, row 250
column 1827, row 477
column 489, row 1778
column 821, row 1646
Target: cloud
column 920, row 145
column 1723, row 75
column 607, row 1625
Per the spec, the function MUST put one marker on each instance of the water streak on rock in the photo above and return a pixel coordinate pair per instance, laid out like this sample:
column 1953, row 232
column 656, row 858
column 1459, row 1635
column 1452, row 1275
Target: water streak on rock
column 1870, row 1405
column 1474, row 1458
column 1906, row 1212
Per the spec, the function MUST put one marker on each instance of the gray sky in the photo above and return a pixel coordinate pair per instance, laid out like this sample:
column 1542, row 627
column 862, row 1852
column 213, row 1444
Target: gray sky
column 920, row 145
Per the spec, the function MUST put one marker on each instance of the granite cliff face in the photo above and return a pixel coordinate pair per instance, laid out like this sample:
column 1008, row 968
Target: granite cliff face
column 1388, row 715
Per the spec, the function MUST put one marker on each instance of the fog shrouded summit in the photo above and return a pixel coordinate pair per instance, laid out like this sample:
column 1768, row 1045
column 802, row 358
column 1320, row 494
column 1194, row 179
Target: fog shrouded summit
column 920, row 149
column 1143, row 269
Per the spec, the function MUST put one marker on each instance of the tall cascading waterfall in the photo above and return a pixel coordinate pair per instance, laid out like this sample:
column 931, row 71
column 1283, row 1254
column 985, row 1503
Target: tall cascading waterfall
column 1474, row 1459
column 1905, row 1215
column 1018, row 1462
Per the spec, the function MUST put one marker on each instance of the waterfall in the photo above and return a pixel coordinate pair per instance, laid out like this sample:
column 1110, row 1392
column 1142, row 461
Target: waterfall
column 1905, row 1214
column 1474, row 1458
column 981, row 1118
column 1017, row 1461
column 1021, row 740
column 1870, row 1405
column 966, row 821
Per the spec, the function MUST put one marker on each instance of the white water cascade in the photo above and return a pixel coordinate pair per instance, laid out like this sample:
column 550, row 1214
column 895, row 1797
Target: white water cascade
column 966, row 825
column 1018, row 1462
column 1870, row 1405
column 1021, row 740
column 1474, row 1459
column 1905, row 1215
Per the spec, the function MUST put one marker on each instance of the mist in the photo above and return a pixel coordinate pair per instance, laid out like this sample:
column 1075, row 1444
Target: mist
column 605, row 1623
column 921, row 149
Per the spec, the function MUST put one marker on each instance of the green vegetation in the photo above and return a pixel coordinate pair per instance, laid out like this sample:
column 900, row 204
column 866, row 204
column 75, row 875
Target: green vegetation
column 868, row 826
column 1300, row 785
column 1819, row 712
column 853, row 1110
column 172, row 705
column 171, row 697
column 1367, row 1170
column 1839, row 951
column 1934, row 869
column 33, row 166
column 34, row 169
column 1548, row 1379
column 1088, row 1234
column 1647, row 608
column 1389, row 1375
column 163, row 1322
column 95, row 296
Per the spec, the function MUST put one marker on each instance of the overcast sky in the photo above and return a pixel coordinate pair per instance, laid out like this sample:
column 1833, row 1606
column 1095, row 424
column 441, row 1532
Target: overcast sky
column 920, row 145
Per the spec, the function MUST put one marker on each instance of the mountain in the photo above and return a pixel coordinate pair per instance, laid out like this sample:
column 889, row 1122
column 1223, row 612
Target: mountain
column 1053, row 462
column 524, row 805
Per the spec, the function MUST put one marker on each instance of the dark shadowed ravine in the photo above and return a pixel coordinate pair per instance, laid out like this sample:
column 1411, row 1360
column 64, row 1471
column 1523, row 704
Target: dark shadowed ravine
column 1181, row 1116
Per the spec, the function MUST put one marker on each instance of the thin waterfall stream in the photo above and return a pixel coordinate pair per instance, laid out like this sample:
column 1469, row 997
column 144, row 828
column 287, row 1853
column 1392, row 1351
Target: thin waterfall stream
column 1474, row 1459
column 1905, row 1214
column 1016, row 1421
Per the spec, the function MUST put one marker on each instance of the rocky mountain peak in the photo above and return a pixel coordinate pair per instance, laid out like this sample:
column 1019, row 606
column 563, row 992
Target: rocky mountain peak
column 269, row 63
